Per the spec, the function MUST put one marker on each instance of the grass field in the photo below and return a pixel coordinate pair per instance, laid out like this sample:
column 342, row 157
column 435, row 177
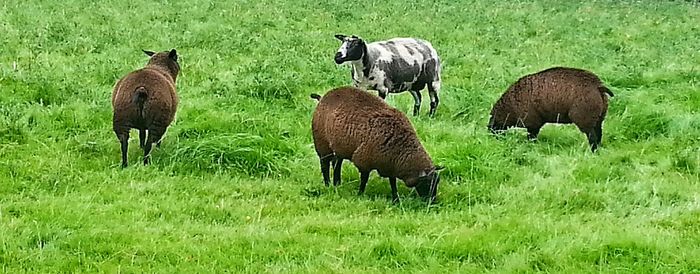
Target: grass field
column 236, row 185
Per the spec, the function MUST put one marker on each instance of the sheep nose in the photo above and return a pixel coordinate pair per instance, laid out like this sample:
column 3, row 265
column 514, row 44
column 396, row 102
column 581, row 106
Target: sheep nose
column 338, row 58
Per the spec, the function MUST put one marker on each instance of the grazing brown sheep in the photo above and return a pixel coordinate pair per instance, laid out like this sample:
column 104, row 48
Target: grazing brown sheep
column 145, row 99
column 352, row 124
column 556, row 95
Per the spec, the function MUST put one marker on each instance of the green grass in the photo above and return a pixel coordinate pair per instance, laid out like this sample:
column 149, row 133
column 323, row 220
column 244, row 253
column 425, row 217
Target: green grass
column 236, row 184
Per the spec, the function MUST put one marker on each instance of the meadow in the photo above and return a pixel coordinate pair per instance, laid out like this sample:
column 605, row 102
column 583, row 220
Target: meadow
column 236, row 184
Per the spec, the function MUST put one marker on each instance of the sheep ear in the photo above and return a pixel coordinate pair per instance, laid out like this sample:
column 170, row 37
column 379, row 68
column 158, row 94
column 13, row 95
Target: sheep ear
column 340, row 37
column 173, row 54
column 422, row 174
column 148, row 52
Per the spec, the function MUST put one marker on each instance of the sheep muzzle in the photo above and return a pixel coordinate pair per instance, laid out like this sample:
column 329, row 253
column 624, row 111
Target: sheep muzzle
column 339, row 59
column 427, row 186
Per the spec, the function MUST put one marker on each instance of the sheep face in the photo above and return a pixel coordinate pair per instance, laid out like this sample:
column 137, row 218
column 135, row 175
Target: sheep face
column 427, row 184
column 166, row 59
column 499, row 123
column 502, row 118
column 352, row 49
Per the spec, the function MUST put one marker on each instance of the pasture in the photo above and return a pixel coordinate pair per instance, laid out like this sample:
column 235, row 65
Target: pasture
column 236, row 185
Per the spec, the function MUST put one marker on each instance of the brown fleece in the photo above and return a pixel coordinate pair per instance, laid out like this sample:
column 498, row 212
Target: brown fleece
column 556, row 95
column 352, row 124
column 146, row 99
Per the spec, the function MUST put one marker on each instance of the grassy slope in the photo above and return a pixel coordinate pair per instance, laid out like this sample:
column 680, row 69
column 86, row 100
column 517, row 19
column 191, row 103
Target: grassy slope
column 236, row 183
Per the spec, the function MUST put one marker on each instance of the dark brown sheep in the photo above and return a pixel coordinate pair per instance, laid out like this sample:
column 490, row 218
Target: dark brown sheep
column 352, row 124
column 145, row 99
column 556, row 95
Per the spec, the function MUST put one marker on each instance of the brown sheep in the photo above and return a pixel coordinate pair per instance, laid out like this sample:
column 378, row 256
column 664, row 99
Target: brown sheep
column 145, row 99
column 349, row 123
column 555, row 95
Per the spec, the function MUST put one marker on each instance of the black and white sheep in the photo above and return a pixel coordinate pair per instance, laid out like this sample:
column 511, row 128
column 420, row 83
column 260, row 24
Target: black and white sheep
column 393, row 66
column 146, row 99
column 556, row 95
column 349, row 123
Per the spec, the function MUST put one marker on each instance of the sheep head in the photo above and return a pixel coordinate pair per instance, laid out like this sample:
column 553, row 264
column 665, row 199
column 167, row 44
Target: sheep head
column 165, row 59
column 427, row 183
column 502, row 116
column 353, row 48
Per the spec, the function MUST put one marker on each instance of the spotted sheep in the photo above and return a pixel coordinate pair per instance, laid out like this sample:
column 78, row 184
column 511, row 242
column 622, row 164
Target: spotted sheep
column 146, row 99
column 351, row 124
column 393, row 66
column 556, row 95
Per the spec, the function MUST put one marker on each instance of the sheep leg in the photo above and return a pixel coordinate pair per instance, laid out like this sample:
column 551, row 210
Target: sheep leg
column 599, row 131
column 147, row 153
column 591, row 135
column 142, row 137
column 394, row 190
column 417, row 100
column 580, row 115
column 382, row 92
column 337, row 167
column 596, row 136
column 124, row 140
column 593, row 140
column 433, row 89
column 532, row 133
column 364, row 176
column 154, row 135
column 325, row 169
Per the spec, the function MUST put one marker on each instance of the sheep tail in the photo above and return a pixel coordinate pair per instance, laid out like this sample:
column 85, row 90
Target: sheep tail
column 316, row 96
column 140, row 98
column 606, row 90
